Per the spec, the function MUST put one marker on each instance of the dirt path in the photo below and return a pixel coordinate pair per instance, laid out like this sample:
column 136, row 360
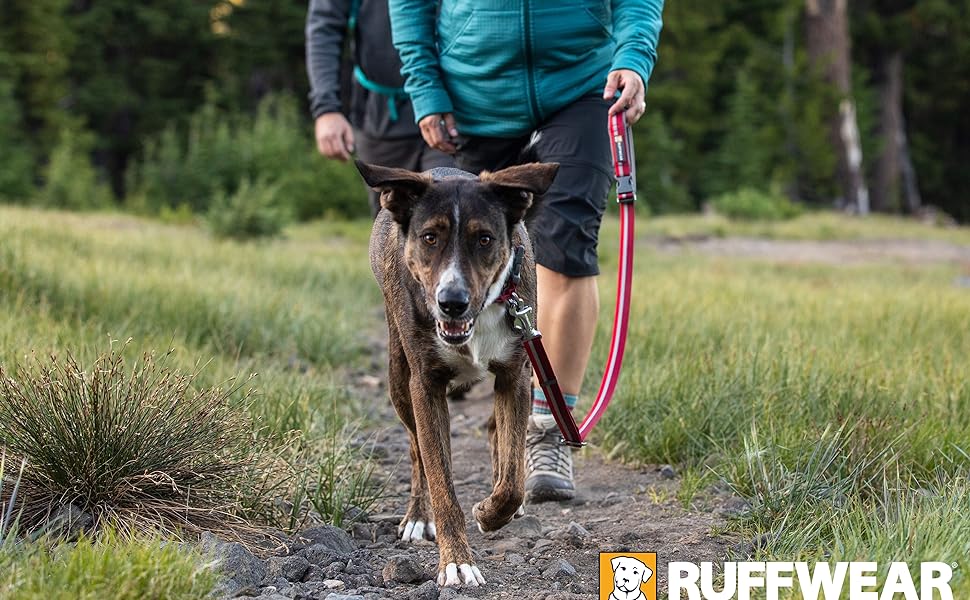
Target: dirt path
column 617, row 509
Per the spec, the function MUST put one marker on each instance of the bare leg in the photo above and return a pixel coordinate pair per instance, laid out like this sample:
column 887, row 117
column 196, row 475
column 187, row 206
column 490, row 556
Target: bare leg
column 568, row 307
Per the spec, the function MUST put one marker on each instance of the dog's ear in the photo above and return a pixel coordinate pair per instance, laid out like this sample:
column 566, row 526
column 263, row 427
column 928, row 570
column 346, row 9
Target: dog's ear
column 520, row 184
column 616, row 562
column 399, row 188
column 647, row 572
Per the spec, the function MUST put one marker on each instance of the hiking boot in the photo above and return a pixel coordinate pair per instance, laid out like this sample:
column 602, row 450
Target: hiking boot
column 549, row 465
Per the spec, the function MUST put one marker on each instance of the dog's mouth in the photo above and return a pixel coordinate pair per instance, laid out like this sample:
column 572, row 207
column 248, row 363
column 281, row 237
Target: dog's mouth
column 455, row 332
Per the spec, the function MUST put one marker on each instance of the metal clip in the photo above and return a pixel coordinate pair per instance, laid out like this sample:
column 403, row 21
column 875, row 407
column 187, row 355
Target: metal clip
column 564, row 442
column 518, row 312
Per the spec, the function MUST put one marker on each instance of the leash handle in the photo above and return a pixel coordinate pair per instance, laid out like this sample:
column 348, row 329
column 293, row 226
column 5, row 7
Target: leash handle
column 621, row 147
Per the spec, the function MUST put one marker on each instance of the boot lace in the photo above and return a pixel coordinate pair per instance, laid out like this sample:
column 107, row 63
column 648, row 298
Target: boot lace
column 545, row 453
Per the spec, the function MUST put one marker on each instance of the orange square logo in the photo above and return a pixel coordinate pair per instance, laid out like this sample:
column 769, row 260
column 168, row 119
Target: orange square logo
column 628, row 576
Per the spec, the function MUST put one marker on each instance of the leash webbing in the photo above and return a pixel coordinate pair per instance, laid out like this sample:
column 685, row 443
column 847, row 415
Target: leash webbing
column 572, row 435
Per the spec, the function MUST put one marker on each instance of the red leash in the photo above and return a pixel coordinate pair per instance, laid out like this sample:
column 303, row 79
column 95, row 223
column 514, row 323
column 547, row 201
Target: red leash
column 572, row 435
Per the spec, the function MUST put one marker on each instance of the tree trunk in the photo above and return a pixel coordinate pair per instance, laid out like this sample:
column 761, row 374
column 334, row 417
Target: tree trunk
column 885, row 189
column 911, row 195
column 829, row 49
column 895, row 181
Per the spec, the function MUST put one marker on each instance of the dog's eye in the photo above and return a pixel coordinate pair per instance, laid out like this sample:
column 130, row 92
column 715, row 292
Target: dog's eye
column 485, row 241
column 430, row 239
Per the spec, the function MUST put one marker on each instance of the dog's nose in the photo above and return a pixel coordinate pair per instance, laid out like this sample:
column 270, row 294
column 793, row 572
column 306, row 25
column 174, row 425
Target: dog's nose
column 453, row 301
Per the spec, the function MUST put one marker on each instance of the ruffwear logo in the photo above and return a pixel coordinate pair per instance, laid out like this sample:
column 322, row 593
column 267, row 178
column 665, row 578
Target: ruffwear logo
column 773, row 580
column 628, row 576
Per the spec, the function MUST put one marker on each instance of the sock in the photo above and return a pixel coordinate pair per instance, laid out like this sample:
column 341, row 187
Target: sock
column 541, row 407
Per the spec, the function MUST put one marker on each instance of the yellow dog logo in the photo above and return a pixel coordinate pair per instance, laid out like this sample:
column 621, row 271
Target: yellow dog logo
column 628, row 576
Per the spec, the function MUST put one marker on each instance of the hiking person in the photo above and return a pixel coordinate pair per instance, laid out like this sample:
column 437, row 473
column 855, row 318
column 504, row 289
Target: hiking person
column 380, row 127
column 489, row 79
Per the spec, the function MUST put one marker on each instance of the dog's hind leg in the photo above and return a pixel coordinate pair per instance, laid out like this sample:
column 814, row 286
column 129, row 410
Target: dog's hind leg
column 418, row 522
column 508, row 450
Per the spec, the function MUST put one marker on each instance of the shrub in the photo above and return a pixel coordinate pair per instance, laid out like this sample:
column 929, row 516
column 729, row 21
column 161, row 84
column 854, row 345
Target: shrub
column 70, row 180
column 754, row 205
column 252, row 211
column 219, row 150
column 136, row 450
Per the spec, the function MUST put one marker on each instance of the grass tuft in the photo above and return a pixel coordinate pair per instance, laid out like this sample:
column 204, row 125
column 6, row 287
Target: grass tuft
column 136, row 449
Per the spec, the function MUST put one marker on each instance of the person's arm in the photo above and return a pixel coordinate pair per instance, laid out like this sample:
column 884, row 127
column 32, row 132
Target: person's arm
column 326, row 28
column 636, row 27
column 413, row 31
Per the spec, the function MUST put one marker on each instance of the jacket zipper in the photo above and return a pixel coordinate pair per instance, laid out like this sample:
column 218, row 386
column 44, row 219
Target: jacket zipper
column 529, row 59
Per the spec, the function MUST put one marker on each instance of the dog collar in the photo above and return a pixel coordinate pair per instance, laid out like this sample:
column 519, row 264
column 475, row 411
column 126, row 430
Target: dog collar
column 515, row 275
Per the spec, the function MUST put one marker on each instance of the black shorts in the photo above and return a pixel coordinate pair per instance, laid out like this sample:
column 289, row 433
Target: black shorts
column 565, row 229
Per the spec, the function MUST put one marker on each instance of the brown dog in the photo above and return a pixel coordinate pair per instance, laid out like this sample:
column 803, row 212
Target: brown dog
column 442, row 250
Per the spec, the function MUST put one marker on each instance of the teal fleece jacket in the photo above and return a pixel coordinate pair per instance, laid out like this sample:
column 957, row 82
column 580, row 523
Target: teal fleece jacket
column 504, row 66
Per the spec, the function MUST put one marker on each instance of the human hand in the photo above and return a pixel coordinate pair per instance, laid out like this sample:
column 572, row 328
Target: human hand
column 438, row 130
column 335, row 137
column 631, row 98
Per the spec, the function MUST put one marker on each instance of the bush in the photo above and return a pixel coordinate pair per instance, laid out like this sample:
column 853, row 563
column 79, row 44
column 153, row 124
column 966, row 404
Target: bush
column 70, row 180
column 253, row 211
column 135, row 450
column 219, row 151
column 749, row 204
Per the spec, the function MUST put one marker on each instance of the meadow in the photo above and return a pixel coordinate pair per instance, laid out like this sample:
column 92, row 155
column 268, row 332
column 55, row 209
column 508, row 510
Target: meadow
column 833, row 398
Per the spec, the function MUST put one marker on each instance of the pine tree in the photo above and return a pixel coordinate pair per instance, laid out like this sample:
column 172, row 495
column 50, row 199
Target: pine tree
column 38, row 39
column 744, row 157
column 16, row 155
column 138, row 66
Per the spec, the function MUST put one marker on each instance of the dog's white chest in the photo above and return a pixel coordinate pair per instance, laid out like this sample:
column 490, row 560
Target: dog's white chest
column 493, row 340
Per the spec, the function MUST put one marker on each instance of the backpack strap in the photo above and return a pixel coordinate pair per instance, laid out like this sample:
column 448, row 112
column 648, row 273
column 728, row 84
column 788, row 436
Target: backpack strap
column 393, row 94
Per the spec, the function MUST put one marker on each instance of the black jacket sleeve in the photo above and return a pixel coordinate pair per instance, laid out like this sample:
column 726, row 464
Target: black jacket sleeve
column 326, row 28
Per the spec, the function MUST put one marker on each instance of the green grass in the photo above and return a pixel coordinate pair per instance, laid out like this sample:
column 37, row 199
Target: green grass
column 834, row 398
column 115, row 568
column 820, row 225
column 302, row 313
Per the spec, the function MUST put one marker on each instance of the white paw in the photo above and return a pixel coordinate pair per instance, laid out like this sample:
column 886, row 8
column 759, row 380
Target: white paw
column 416, row 531
column 463, row 574
column 520, row 512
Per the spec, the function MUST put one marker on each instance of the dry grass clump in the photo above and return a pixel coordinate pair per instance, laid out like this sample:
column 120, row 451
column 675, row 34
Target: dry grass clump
column 133, row 450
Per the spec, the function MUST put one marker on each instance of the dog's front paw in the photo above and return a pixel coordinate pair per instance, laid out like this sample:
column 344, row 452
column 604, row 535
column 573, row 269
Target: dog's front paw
column 455, row 575
column 492, row 520
column 416, row 530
